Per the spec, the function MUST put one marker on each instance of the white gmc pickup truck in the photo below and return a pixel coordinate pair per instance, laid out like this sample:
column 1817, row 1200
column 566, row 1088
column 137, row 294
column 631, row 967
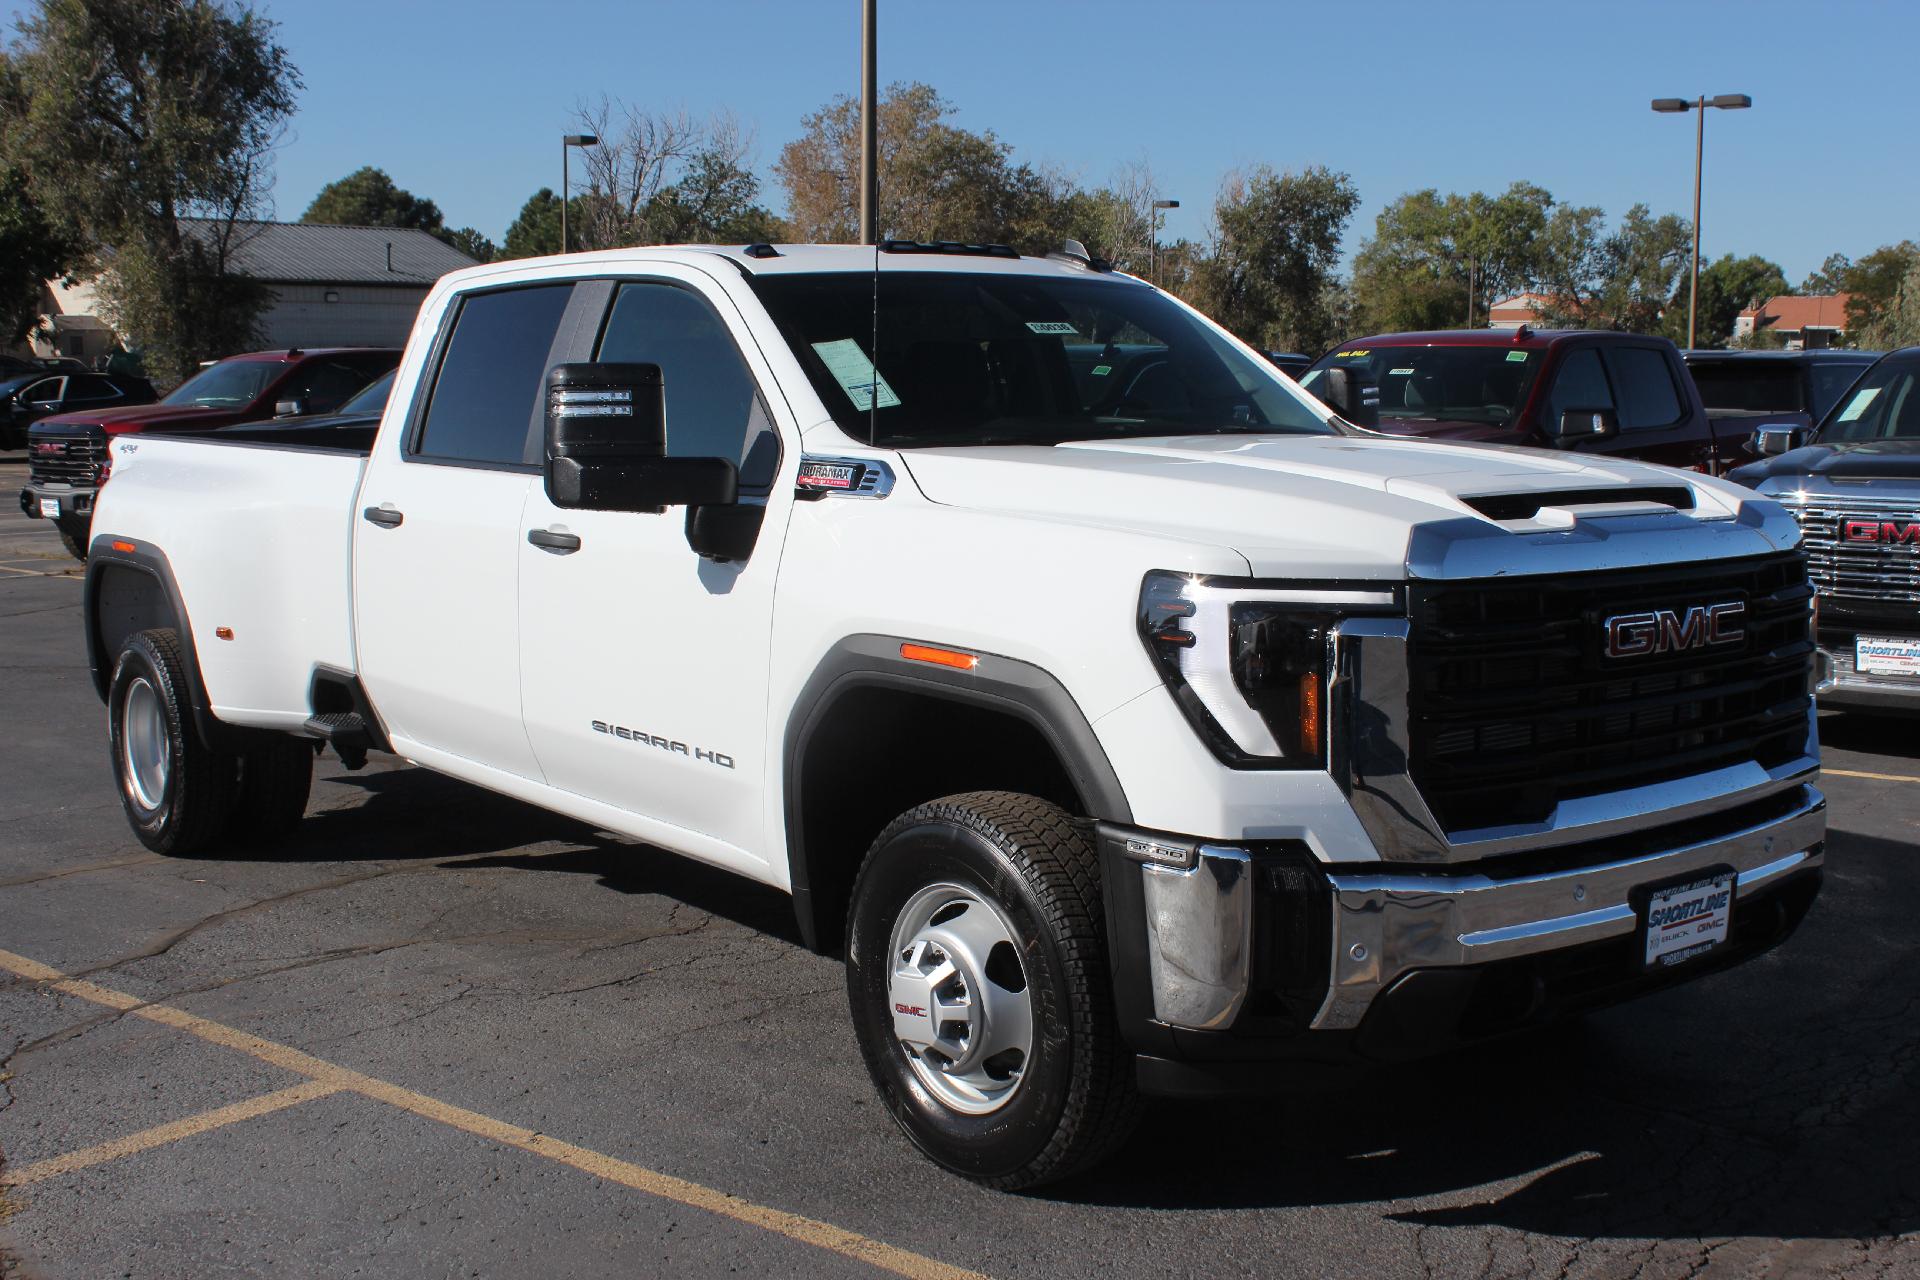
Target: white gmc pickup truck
column 1130, row 724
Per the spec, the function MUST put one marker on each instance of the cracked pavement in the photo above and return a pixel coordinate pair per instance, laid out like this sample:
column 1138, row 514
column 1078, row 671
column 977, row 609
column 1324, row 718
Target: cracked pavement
column 1760, row 1122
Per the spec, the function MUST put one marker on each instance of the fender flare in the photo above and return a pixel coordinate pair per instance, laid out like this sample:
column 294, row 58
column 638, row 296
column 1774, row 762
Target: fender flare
column 105, row 557
column 1006, row 685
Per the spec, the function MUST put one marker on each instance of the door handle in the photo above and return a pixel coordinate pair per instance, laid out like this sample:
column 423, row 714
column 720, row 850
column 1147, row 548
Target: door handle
column 559, row 544
column 385, row 517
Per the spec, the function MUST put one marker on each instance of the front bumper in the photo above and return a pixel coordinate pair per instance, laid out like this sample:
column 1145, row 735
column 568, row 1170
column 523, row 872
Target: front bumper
column 75, row 501
column 1257, row 952
column 1842, row 687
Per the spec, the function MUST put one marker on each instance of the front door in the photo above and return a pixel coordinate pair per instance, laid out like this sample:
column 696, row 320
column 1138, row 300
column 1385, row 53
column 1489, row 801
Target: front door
column 643, row 664
column 438, row 534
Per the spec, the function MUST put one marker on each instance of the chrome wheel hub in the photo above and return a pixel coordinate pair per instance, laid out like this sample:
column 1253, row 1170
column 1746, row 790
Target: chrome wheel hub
column 959, row 1000
column 146, row 754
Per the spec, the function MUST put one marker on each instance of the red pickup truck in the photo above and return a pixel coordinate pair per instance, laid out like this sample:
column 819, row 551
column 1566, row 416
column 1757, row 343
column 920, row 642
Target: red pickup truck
column 67, row 453
column 1598, row 392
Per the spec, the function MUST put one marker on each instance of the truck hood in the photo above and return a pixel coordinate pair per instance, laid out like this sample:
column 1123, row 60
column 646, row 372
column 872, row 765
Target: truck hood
column 143, row 417
column 1447, row 429
column 1364, row 506
column 1856, row 460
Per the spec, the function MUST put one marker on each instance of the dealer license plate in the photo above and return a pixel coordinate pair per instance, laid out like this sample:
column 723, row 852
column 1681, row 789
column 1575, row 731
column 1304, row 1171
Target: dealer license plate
column 1688, row 920
column 1886, row 655
column 50, row 508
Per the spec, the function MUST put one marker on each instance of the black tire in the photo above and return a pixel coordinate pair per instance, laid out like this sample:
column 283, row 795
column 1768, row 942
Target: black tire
column 73, row 536
column 1038, row 869
column 186, row 804
column 275, row 779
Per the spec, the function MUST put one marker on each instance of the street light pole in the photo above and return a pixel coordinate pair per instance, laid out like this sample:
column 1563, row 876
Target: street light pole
column 569, row 140
column 1153, row 237
column 1725, row 102
column 869, row 125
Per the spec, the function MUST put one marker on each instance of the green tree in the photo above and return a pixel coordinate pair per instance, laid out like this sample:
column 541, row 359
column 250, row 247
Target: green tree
column 1274, row 253
column 131, row 116
column 1621, row 279
column 472, row 243
column 1434, row 262
column 33, row 250
column 1895, row 322
column 1728, row 286
column 1831, row 276
column 1875, row 283
column 536, row 229
column 367, row 197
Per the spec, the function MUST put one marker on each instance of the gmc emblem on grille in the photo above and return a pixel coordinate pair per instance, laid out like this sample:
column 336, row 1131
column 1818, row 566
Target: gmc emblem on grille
column 1854, row 529
column 1634, row 635
column 45, row 450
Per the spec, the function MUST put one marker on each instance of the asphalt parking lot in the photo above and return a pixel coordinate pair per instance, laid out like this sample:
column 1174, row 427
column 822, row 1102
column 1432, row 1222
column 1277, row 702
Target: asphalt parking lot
column 441, row 1033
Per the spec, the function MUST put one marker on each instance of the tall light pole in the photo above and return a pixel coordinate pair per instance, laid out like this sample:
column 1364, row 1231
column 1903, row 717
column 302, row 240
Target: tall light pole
column 566, row 141
column 1153, row 237
column 1726, row 102
column 869, row 126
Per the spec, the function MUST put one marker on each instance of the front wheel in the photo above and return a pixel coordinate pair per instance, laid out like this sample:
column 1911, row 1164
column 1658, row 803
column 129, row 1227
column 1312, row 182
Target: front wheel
column 977, row 973
column 73, row 536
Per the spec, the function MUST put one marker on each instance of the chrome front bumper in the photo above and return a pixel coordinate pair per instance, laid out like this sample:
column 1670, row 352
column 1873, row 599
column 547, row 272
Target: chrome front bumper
column 1200, row 917
column 1841, row 686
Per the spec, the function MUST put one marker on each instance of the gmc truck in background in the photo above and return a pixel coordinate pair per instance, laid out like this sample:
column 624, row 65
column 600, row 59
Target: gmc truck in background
column 1130, row 723
column 1854, row 486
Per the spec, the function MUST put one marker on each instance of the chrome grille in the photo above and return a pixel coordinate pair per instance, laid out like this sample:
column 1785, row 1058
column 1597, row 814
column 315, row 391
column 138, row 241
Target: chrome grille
column 66, row 460
column 1885, row 572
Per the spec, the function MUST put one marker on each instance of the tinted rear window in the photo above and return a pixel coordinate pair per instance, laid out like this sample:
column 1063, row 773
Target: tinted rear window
column 489, row 381
column 1644, row 387
column 1749, row 385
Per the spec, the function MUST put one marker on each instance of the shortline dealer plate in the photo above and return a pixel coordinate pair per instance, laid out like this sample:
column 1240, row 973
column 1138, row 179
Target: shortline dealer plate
column 49, row 508
column 1685, row 920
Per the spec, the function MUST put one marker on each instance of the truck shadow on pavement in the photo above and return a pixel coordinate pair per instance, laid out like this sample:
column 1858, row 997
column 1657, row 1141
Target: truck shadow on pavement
column 1781, row 1099
column 414, row 814
column 1872, row 735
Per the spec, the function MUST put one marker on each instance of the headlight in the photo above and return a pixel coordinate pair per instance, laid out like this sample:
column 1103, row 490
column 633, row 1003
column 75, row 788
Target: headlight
column 1249, row 665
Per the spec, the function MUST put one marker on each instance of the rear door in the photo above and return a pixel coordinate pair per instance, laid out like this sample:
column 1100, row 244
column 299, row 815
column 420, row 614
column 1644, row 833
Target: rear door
column 437, row 536
column 643, row 665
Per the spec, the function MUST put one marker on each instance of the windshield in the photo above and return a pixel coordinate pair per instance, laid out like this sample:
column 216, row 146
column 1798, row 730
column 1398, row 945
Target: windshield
column 1883, row 405
column 229, row 383
column 371, row 398
column 1433, row 384
column 977, row 358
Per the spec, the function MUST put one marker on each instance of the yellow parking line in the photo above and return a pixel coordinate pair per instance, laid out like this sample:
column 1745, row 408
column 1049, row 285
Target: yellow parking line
column 1878, row 777
column 30, row 573
column 160, row 1135
column 333, row 1077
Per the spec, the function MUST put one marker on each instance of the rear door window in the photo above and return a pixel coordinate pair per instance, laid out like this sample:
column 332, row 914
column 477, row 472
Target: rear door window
column 1580, row 384
column 89, row 388
column 482, row 406
column 44, row 392
column 1750, row 385
column 324, row 384
column 1644, row 386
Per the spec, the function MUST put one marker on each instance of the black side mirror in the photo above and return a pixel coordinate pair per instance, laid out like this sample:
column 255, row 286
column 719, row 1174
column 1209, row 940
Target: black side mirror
column 1578, row 426
column 1347, row 394
column 607, row 444
column 1770, row 442
column 289, row 408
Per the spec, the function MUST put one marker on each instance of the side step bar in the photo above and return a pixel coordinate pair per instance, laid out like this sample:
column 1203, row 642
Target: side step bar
column 346, row 733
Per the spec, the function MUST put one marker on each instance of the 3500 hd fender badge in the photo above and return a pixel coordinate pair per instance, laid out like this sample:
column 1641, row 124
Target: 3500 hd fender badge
column 720, row 758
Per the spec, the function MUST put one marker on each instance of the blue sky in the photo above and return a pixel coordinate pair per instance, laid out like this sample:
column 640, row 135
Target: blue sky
column 463, row 101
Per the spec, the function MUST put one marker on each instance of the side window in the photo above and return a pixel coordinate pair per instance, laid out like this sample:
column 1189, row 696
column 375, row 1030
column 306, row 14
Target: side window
column 1580, row 384
column 1647, row 394
column 323, row 384
column 83, row 390
column 712, row 404
column 46, row 391
column 1829, row 382
column 484, row 396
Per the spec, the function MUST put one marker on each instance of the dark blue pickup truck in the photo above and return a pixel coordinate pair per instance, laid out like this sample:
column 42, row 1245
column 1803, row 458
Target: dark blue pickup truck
column 1855, row 488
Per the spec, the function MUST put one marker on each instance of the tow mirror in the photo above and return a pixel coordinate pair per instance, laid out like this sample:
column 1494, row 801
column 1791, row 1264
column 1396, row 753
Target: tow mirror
column 1350, row 397
column 1770, row 442
column 1577, row 426
column 607, row 444
column 289, row 408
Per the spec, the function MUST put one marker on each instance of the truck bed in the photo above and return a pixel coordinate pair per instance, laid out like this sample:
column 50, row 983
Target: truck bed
column 259, row 538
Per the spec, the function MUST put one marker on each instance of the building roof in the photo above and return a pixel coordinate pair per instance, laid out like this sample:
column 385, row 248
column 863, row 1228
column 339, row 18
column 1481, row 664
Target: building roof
column 319, row 253
column 1814, row 310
